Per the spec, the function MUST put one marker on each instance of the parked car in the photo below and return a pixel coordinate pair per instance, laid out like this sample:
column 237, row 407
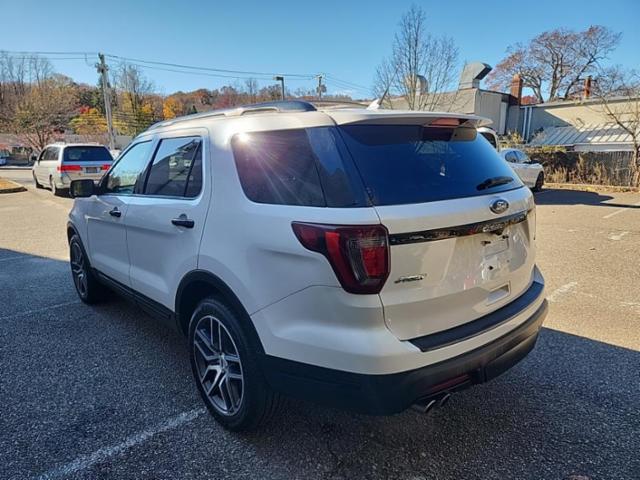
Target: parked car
column 530, row 172
column 4, row 157
column 59, row 164
column 368, row 260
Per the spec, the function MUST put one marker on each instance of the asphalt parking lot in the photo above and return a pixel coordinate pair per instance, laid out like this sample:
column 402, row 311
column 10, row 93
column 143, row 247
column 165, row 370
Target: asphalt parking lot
column 102, row 392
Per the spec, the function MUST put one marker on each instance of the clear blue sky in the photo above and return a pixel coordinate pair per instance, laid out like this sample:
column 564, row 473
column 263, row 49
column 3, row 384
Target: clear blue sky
column 344, row 38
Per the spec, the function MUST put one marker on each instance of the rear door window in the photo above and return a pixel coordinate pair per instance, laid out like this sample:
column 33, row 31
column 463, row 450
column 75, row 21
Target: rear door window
column 86, row 154
column 522, row 157
column 402, row 164
column 51, row 153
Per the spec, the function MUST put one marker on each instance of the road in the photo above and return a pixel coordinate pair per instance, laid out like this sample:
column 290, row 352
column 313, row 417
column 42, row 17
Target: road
column 103, row 392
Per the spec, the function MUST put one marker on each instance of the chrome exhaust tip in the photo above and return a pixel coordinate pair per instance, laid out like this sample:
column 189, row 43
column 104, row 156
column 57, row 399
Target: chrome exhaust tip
column 444, row 400
column 425, row 406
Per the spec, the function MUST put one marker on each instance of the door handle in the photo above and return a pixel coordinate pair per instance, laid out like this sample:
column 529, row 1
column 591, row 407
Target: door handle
column 114, row 212
column 183, row 221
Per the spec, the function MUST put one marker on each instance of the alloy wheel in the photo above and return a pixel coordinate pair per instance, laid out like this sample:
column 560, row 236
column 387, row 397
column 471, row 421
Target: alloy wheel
column 218, row 365
column 78, row 269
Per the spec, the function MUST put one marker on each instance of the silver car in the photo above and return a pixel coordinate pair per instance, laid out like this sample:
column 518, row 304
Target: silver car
column 59, row 164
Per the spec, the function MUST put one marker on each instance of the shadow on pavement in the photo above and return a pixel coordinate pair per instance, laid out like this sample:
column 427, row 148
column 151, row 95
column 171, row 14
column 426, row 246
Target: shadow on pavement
column 578, row 197
column 77, row 377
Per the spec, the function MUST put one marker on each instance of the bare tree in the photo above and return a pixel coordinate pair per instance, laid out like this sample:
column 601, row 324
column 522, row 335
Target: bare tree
column 136, row 112
column 618, row 92
column 251, row 88
column 17, row 76
column 45, row 110
column 421, row 66
column 555, row 63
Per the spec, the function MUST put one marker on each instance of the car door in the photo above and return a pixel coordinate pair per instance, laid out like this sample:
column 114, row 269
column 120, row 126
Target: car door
column 107, row 213
column 512, row 158
column 165, row 222
column 533, row 168
column 47, row 164
column 38, row 165
column 527, row 169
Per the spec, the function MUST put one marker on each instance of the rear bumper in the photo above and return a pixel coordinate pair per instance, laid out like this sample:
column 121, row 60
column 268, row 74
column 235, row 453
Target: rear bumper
column 395, row 392
column 65, row 179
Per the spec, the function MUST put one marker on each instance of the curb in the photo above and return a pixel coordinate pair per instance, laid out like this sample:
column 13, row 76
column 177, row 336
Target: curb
column 13, row 188
column 584, row 187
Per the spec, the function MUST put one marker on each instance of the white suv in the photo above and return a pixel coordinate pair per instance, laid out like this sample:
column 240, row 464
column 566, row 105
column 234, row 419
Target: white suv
column 370, row 260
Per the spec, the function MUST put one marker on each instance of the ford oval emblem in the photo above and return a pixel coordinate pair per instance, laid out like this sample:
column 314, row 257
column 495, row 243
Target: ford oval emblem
column 499, row 206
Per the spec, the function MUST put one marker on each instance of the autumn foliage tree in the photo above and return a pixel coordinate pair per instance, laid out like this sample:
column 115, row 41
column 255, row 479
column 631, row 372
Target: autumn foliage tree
column 44, row 111
column 171, row 108
column 89, row 122
column 555, row 63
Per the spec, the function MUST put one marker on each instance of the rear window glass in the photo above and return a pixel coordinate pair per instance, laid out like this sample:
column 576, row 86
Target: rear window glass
column 308, row 167
column 86, row 154
column 402, row 164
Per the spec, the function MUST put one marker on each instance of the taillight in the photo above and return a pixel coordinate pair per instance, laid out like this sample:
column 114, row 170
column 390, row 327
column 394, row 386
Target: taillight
column 69, row 168
column 359, row 255
column 105, row 166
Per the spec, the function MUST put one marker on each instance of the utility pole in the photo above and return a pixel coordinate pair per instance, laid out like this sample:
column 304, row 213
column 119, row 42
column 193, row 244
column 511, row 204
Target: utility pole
column 102, row 70
column 320, row 87
column 280, row 79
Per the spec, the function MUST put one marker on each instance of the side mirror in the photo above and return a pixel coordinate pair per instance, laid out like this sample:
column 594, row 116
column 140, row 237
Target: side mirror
column 33, row 158
column 82, row 188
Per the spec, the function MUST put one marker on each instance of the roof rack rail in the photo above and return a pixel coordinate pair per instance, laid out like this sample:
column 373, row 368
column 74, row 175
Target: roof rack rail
column 276, row 106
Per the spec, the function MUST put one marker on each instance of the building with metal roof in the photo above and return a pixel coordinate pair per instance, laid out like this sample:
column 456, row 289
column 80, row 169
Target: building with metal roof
column 601, row 137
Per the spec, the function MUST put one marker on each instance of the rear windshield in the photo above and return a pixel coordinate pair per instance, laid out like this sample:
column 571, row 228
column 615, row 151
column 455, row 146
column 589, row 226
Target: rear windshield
column 86, row 154
column 360, row 165
column 414, row 164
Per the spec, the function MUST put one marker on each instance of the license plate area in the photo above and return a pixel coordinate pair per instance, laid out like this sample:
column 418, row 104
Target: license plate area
column 91, row 169
column 494, row 244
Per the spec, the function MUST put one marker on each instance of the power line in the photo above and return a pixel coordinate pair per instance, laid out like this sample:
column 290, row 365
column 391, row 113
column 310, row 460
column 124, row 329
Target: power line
column 355, row 85
column 25, row 52
column 209, row 69
column 190, row 69
column 205, row 74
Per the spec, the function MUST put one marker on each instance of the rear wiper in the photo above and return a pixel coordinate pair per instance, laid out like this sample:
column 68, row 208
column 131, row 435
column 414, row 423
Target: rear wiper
column 494, row 182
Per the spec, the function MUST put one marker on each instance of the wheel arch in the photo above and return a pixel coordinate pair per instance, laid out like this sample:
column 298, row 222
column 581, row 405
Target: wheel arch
column 71, row 231
column 199, row 284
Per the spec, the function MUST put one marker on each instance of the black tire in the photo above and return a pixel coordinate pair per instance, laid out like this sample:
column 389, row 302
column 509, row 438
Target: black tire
column 35, row 180
column 539, row 182
column 88, row 287
column 251, row 401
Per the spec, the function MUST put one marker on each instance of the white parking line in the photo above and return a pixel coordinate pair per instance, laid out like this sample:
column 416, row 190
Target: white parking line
column 87, row 461
column 561, row 291
column 38, row 310
column 620, row 210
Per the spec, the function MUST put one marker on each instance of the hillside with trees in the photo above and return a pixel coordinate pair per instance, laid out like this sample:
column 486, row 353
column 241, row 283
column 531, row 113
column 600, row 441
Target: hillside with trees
column 39, row 105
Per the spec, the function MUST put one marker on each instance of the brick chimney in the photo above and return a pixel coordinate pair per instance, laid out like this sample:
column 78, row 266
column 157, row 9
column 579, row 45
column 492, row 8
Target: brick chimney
column 516, row 89
column 586, row 92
